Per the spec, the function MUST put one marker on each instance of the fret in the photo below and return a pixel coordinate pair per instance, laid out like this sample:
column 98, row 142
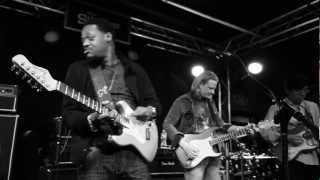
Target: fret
column 66, row 91
column 59, row 84
column 78, row 98
column 91, row 106
column 72, row 93
column 84, row 99
column 97, row 106
column 75, row 96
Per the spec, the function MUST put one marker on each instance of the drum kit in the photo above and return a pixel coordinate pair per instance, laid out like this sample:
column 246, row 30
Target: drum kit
column 249, row 164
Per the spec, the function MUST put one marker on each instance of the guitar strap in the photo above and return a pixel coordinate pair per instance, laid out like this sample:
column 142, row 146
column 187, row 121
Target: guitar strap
column 309, row 123
column 305, row 119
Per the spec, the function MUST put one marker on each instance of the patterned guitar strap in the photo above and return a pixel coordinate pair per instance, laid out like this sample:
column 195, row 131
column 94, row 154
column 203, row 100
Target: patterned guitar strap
column 309, row 118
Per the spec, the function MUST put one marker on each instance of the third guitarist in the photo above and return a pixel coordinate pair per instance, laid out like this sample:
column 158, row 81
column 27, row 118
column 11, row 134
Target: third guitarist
column 302, row 135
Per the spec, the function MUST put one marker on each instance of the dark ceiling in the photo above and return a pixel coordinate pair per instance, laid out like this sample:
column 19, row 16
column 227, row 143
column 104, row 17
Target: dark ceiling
column 215, row 28
column 245, row 14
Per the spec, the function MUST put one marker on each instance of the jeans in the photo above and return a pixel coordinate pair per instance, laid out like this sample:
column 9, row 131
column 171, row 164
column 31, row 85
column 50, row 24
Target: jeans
column 208, row 169
column 123, row 164
column 300, row 171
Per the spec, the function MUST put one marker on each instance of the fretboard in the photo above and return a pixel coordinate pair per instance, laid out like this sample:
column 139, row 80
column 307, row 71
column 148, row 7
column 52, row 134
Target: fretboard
column 226, row 137
column 78, row 96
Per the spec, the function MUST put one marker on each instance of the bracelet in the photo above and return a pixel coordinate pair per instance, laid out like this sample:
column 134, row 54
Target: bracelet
column 93, row 129
column 153, row 111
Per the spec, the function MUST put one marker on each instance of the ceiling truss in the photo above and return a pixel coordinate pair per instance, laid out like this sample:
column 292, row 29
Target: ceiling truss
column 292, row 24
column 289, row 25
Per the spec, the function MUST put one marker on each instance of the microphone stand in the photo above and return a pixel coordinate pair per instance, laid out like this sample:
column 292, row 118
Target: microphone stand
column 283, row 118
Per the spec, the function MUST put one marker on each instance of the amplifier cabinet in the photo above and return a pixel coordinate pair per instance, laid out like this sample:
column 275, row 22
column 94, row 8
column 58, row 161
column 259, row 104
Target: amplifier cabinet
column 59, row 172
column 165, row 163
column 8, row 126
column 8, row 97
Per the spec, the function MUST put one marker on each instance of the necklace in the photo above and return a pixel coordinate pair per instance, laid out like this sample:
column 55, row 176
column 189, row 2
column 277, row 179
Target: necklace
column 105, row 89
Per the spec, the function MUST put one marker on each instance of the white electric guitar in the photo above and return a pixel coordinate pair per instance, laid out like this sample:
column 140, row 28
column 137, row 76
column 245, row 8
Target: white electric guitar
column 205, row 142
column 307, row 142
column 143, row 135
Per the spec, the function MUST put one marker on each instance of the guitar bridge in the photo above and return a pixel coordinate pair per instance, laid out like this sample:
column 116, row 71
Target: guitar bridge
column 148, row 134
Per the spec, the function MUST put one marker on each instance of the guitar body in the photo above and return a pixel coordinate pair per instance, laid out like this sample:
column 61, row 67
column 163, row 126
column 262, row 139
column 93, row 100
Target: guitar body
column 307, row 144
column 202, row 142
column 143, row 135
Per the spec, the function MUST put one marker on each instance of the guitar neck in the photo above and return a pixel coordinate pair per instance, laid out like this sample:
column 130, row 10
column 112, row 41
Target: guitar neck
column 78, row 96
column 226, row 137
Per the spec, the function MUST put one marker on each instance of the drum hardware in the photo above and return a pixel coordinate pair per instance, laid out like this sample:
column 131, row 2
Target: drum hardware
column 63, row 137
column 245, row 164
column 250, row 166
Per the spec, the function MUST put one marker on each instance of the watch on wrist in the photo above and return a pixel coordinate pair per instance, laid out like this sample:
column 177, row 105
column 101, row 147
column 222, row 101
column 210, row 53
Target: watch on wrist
column 90, row 120
column 153, row 111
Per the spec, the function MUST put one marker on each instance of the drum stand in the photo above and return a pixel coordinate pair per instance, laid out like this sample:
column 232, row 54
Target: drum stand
column 242, row 150
column 63, row 137
column 227, row 158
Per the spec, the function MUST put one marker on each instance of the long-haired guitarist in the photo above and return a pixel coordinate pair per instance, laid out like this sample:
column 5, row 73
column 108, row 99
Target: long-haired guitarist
column 302, row 132
column 108, row 77
column 194, row 113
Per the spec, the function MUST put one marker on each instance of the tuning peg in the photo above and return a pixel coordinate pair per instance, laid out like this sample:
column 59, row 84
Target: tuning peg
column 29, row 81
column 13, row 67
column 24, row 76
column 17, row 72
column 39, row 89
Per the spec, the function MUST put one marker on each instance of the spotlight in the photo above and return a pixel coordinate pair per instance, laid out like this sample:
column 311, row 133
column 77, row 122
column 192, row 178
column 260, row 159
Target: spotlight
column 255, row 67
column 197, row 70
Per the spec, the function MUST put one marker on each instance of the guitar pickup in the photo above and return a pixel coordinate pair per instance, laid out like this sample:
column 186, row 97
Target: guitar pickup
column 148, row 134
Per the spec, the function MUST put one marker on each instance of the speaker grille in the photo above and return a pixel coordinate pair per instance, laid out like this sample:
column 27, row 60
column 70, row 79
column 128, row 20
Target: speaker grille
column 8, row 126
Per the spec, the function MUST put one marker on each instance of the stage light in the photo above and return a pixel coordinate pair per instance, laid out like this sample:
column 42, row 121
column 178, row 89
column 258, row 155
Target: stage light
column 255, row 68
column 197, row 70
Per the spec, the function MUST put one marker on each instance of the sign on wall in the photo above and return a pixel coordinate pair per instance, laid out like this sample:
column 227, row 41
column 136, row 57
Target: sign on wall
column 78, row 13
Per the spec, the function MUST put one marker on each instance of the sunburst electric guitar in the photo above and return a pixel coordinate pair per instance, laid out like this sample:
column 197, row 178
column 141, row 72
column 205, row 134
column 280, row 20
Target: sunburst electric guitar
column 205, row 142
column 142, row 135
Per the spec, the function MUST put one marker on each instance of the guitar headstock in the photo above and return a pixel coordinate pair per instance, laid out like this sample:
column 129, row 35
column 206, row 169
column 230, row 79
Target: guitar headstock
column 42, row 77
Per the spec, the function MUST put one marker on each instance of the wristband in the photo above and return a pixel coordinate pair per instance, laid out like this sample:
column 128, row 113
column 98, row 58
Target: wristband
column 92, row 128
